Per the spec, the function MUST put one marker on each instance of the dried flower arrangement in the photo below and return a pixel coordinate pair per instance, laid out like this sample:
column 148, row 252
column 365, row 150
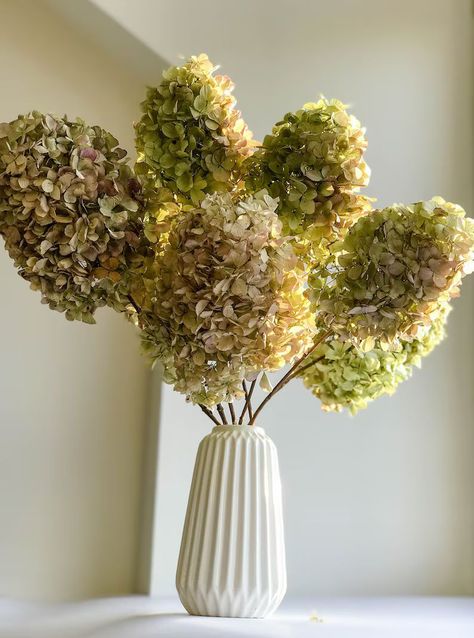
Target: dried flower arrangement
column 233, row 258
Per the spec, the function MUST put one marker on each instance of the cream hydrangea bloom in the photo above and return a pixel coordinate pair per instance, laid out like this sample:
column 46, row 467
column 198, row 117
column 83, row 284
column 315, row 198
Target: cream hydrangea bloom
column 227, row 299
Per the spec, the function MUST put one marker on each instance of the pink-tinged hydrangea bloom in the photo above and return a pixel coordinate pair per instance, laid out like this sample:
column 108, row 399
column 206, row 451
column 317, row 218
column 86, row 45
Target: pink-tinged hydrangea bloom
column 69, row 211
column 394, row 272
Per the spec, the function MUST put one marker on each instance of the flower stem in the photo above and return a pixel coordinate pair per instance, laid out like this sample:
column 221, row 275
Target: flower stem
column 220, row 409
column 248, row 398
column 232, row 413
column 208, row 413
column 289, row 375
column 308, row 365
column 249, row 407
column 134, row 304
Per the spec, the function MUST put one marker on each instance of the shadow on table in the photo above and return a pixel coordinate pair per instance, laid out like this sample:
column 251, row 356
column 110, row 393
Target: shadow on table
column 181, row 625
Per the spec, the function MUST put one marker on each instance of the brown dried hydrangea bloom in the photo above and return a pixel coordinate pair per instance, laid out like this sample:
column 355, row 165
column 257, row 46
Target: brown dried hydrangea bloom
column 395, row 270
column 228, row 299
column 68, row 211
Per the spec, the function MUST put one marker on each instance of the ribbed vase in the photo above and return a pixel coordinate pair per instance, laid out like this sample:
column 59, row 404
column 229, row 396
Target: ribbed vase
column 232, row 557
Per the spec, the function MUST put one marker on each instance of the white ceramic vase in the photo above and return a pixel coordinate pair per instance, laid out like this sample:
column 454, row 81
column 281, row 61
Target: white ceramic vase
column 232, row 557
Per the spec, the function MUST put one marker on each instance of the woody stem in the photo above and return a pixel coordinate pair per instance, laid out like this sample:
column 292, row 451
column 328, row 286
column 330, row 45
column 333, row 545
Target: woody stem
column 289, row 375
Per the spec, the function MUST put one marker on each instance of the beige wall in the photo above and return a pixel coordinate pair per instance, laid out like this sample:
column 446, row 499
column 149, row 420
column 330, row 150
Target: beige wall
column 384, row 502
column 72, row 396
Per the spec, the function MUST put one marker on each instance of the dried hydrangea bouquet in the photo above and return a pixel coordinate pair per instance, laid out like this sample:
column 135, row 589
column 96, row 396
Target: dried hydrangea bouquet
column 233, row 258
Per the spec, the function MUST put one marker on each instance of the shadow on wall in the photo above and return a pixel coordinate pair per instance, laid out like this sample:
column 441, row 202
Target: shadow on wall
column 132, row 57
column 72, row 397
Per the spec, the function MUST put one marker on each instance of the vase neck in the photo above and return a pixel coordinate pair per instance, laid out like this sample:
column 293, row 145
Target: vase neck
column 237, row 427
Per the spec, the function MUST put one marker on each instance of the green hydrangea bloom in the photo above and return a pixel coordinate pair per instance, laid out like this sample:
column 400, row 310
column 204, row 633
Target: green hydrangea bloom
column 191, row 140
column 313, row 162
column 391, row 275
column 343, row 375
column 70, row 212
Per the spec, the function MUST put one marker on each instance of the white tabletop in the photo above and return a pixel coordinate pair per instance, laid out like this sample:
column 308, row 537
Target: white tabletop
column 141, row 617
